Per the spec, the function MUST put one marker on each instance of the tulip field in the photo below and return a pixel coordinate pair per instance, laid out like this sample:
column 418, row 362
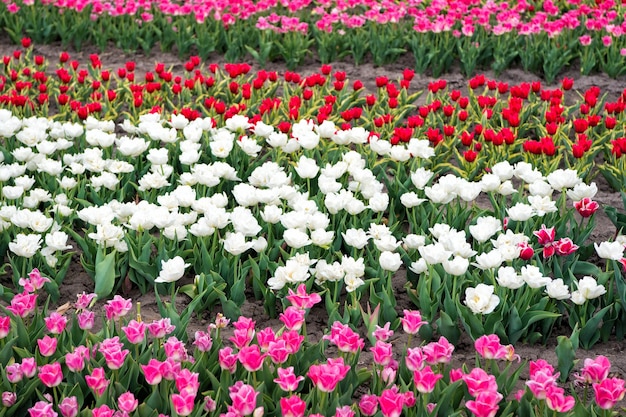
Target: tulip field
column 312, row 208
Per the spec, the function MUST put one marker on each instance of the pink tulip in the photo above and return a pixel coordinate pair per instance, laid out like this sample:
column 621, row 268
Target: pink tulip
column 251, row 358
column 382, row 333
column 102, row 411
column 161, row 328
column 51, row 374
column 326, row 376
column 152, row 372
column 202, row 341
column 169, row 368
column 9, row 398
column 5, row 326
column 412, row 321
column 135, row 331
column 557, row 401
column 565, row 246
column 301, row 299
column 127, row 402
column 55, row 323
column 287, row 379
column 368, row 404
column 34, row 281
column 187, row 382
column 346, row 339
column 23, row 304
column 97, row 381
column 241, row 337
column 42, row 409
column 47, row 345
column 586, row 207
column 414, row 359
column 113, row 353
column 594, row 370
column 438, row 352
column 14, row 373
column 485, row 404
column 383, row 353
column 292, row 318
column 292, row 406
column 175, row 349
column 183, row 403
column 293, row 340
column 540, row 382
column 478, row 380
column 86, row 319
column 29, row 367
column 69, row 407
column 425, row 380
column 278, row 351
column 117, row 308
column 227, row 359
column 545, row 235
column 345, row 411
column 264, row 337
column 244, row 398
column 391, row 402
column 608, row 392
column 83, row 301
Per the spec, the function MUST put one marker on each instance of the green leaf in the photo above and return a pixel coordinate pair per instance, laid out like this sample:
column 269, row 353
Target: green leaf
column 589, row 333
column 105, row 274
column 566, row 356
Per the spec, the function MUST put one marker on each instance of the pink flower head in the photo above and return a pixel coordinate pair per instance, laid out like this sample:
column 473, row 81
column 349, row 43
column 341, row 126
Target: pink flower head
column 5, row 326
column 594, row 370
column 586, row 207
column 346, row 339
column 127, row 402
column 152, row 372
column 183, row 403
column 438, row 352
column 34, row 281
column 383, row 353
column 585, row 40
column 75, row 361
column 86, row 319
column 117, row 308
column 608, row 392
column 287, row 379
column 293, row 340
column 14, row 373
column 565, row 246
column 202, row 341
column 489, row 347
column 293, row 406
column 326, row 376
column 113, row 353
column 292, row 318
column 29, row 367
column 244, row 399
column 175, row 349
column 391, row 402
column 540, row 383
column 478, row 380
column 42, row 409
column 97, row 381
column 23, row 304
column 540, row 365
column 388, row 373
column 55, row 323
column 161, row 328
column 102, row 411
column 135, row 331
column 456, row 374
column 301, row 299
column 84, row 300
column 412, row 321
column 607, row 40
column 368, row 404
column 278, row 351
column 425, row 379
column 265, row 337
column 51, row 374
column 545, row 235
column 383, row 333
column 414, row 359
column 242, row 337
column 187, row 382
column 227, row 359
column 557, row 400
column 47, row 345
column 169, row 369
column 345, row 411
column 485, row 404
column 9, row 398
column 251, row 358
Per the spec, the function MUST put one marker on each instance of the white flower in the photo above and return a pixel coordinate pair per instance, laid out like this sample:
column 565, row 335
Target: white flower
column 352, row 282
column 12, row 192
column 557, row 290
column 353, row 266
column 306, row 167
column 411, row 199
column 249, row 146
column 25, row 246
column 457, row 266
column 525, row 172
column 533, row 277
column 504, row 170
column 132, row 147
column 152, row 180
column 172, row 270
column 263, row 130
column 355, row 237
column 269, row 175
column 420, row 266
column 387, row 243
column 481, row 300
column 490, row 182
column 508, row 278
column 588, row 289
column 244, row 222
column 57, row 241
column 177, row 232
column 390, row 261
column 433, row 254
column 540, row 188
column 563, row 178
column 327, row 272
column 520, row 212
column 235, row 243
column 322, row 238
column 271, row 214
column 296, row 238
column 610, row 250
column 292, row 272
column 542, row 205
column 583, row 190
column 413, row 241
column 489, row 260
column 178, row 121
column 326, row 130
column 485, row 227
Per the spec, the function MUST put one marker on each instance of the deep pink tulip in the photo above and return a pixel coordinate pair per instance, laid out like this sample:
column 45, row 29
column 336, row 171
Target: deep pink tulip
column 425, row 379
column 97, row 381
column 383, row 353
column 438, row 352
column 69, row 407
column 485, row 404
column 55, row 323
column 478, row 380
column 609, row 392
column 326, row 376
column 557, row 400
column 292, row 318
column 135, row 331
column 42, row 409
column 5, row 326
column 51, row 374
column 152, row 372
column 183, row 403
column 594, row 370
column 301, row 299
column 391, row 402
column 127, row 402
column 287, row 379
column 117, row 308
column 412, row 321
column 251, row 358
column 368, row 404
column 292, row 406
column 244, row 398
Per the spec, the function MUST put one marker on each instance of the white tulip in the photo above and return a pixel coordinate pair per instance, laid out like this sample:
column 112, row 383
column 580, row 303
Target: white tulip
column 172, row 270
column 610, row 250
column 25, row 246
column 481, row 300
column 390, row 261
